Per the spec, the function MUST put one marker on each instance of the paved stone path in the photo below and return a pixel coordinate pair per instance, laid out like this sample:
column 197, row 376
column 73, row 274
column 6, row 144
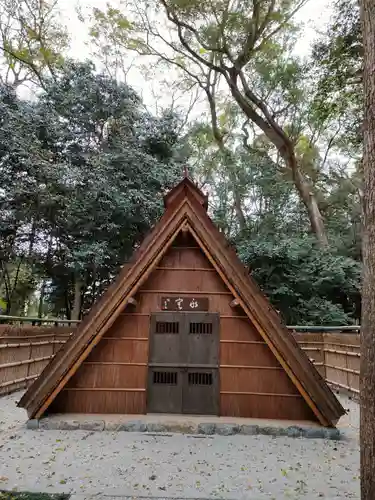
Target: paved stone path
column 110, row 465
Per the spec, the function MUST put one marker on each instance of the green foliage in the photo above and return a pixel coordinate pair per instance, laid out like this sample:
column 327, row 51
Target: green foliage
column 306, row 284
column 83, row 166
column 337, row 61
column 17, row 285
column 33, row 40
column 83, row 172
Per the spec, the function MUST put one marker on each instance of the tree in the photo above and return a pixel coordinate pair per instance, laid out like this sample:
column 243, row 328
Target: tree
column 83, row 170
column 367, row 378
column 337, row 64
column 32, row 40
column 307, row 284
column 230, row 43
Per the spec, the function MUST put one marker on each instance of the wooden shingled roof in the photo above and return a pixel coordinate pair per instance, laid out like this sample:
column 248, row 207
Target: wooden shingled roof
column 186, row 208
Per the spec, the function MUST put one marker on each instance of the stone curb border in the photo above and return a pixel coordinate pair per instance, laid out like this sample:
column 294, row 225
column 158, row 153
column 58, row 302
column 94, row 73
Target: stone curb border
column 207, row 429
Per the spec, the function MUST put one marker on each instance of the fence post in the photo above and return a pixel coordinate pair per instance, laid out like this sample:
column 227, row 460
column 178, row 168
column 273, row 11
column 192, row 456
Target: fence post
column 323, row 347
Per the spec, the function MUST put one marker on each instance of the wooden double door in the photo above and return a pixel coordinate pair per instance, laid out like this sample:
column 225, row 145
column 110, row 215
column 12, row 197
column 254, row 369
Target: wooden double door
column 183, row 363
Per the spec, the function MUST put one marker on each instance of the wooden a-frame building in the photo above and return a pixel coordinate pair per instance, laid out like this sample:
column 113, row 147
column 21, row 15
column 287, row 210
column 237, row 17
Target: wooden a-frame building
column 183, row 329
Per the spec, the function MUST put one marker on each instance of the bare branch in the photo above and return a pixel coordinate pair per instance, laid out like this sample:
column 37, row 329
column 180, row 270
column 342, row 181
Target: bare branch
column 329, row 146
column 180, row 24
column 281, row 25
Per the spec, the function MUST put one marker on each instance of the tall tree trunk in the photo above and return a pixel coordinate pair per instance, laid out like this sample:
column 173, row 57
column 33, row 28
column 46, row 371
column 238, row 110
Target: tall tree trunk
column 68, row 308
column 227, row 154
column 309, row 200
column 76, row 313
column 238, row 209
column 41, row 299
column 248, row 101
column 367, row 379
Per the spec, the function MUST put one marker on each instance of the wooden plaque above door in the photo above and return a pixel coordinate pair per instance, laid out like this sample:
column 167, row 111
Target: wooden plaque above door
column 184, row 303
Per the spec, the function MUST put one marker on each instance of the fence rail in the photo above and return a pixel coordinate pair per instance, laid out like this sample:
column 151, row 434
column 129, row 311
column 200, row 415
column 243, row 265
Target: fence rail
column 21, row 320
column 336, row 356
column 25, row 350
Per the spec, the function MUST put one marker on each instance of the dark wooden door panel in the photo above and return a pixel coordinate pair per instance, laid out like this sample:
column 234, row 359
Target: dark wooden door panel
column 164, row 391
column 202, row 338
column 183, row 361
column 165, row 338
column 200, row 392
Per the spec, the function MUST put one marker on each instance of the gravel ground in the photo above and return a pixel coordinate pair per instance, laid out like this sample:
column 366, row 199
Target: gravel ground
column 177, row 466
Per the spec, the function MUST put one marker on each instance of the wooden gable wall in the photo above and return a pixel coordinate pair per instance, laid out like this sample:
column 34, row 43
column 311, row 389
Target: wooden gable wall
column 113, row 379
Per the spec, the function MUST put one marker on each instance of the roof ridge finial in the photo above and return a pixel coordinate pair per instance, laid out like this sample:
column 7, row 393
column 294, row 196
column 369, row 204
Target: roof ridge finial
column 186, row 173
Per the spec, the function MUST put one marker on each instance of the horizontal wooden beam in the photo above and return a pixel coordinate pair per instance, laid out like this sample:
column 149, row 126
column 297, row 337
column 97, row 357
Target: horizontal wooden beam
column 252, row 367
column 333, row 345
column 202, row 269
column 25, row 362
column 269, row 394
column 222, row 316
column 224, row 341
column 227, row 316
column 183, row 365
column 110, row 363
column 38, row 320
column 344, row 353
column 185, row 292
column 302, row 342
column 30, row 344
column 184, row 248
column 343, row 386
column 103, row 389
column 322, row 329
column 342, row 369
column 30, row 338
column 125, row 338
column 18, row 381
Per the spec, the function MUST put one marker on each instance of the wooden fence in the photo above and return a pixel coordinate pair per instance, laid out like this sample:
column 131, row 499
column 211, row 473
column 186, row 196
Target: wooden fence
column 25, row 350
column 336, row 356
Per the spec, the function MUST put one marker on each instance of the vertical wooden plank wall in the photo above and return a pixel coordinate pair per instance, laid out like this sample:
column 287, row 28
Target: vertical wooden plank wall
column 113, row 379
column 253, row 383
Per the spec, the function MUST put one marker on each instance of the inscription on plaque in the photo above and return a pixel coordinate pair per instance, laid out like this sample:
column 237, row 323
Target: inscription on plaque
column 177, row 303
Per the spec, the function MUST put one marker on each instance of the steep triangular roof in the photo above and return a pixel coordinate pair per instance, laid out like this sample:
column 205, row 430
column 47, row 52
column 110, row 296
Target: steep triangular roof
column 185, row 209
